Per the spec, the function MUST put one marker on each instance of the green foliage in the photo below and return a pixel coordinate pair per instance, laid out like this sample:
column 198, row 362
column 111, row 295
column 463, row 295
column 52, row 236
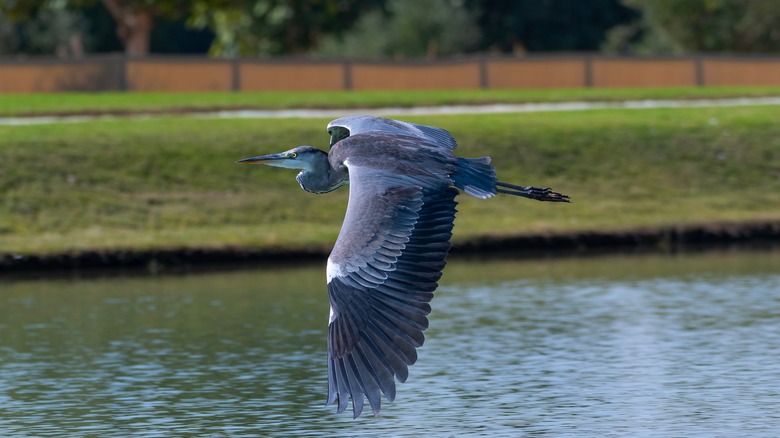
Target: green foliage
column 678, row 26
column 276, row 27
column 9, row 40
column 409, row 29
column 48, row 27
column 398, row 28
column 518, row 26
column 73, row 27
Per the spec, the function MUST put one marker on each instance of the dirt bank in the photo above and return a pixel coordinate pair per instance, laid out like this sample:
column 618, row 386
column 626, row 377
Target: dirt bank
column 583, row 243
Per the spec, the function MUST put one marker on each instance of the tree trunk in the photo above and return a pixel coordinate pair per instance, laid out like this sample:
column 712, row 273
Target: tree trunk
column 133, row 25
column 432, row 50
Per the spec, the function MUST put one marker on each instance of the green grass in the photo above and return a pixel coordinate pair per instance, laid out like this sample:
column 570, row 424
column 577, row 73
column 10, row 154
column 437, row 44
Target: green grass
column 172, row 181
column 75, row 103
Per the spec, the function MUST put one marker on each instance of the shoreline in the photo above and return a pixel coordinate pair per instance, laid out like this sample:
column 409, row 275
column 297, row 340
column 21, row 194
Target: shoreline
column 579, row 243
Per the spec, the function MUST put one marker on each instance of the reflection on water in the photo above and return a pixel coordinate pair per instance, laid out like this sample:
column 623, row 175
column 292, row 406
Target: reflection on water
column 609, row 346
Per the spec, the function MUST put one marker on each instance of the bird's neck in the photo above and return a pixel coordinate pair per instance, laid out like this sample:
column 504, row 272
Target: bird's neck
column 323, row 179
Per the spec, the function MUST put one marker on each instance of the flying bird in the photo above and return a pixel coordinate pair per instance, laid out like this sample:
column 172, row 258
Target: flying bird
column 403, row 178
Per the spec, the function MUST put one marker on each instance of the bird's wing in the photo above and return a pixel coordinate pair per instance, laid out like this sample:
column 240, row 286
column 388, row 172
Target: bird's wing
column 351, row 125
column 381, row 276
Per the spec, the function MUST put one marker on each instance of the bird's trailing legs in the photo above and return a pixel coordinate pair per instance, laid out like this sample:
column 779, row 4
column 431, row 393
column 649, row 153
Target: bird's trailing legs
column 530, row 192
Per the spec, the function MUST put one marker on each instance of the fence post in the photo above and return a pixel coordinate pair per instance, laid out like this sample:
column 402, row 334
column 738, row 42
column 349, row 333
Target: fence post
column 484, row 79
column 122, row 67
column 347, row 66
column 587, row 71
column 699, row 67
column 235, row 70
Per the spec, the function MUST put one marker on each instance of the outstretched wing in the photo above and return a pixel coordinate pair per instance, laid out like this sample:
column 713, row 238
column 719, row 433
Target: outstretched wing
column 381, row 276
column 346, row 126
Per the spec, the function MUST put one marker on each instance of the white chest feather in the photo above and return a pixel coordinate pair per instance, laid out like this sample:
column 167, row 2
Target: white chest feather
column 333, row 270
column 332, row 315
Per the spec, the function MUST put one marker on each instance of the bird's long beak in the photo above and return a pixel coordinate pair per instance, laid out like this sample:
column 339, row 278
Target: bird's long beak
column 271, row 159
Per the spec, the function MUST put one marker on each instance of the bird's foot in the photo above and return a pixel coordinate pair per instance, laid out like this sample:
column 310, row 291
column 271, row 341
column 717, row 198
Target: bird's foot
column 531, row 192
column 545, row 194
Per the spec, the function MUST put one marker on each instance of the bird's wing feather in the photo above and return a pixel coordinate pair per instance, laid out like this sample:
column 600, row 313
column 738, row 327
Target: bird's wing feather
column 361, row 124
column 381, row 276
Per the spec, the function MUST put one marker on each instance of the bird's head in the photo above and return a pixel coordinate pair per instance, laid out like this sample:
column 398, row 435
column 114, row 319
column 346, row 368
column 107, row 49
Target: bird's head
column 302, row 157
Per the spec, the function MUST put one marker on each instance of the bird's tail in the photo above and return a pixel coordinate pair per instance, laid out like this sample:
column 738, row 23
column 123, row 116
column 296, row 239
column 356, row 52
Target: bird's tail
column 477, row 177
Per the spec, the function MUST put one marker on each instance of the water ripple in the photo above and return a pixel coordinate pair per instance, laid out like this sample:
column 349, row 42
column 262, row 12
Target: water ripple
column 599, row 354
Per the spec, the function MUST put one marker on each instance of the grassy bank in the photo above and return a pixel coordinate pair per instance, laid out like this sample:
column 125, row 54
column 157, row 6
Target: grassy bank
column 108, row 103
column 172, row 182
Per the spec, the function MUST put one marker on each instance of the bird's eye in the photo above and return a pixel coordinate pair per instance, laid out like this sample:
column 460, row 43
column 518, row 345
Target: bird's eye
column 293, row 155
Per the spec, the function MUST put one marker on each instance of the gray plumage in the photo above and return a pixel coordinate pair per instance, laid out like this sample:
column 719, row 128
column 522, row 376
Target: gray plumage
column 393, row 244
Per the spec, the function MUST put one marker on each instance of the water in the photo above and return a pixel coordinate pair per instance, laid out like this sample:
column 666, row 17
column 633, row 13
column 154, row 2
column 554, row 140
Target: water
column 653, row 345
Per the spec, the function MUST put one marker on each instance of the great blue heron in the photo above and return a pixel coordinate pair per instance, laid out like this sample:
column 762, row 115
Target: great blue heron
column 389, row 255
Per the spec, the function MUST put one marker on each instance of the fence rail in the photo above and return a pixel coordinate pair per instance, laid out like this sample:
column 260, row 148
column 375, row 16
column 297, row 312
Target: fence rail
column 157, row 73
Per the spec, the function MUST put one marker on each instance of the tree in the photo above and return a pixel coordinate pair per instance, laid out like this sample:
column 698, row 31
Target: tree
column 278, row 27
column 547, row 25
column 9, row 38
column 134, row 20
column 50, row 27
column 677, row 26
column 408, row 29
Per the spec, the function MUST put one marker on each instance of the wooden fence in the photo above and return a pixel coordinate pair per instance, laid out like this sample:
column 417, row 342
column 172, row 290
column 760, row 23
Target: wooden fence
column 118, row 73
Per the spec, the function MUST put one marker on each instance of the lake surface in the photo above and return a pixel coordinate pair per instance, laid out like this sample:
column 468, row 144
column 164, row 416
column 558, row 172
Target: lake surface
column 639, row 345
